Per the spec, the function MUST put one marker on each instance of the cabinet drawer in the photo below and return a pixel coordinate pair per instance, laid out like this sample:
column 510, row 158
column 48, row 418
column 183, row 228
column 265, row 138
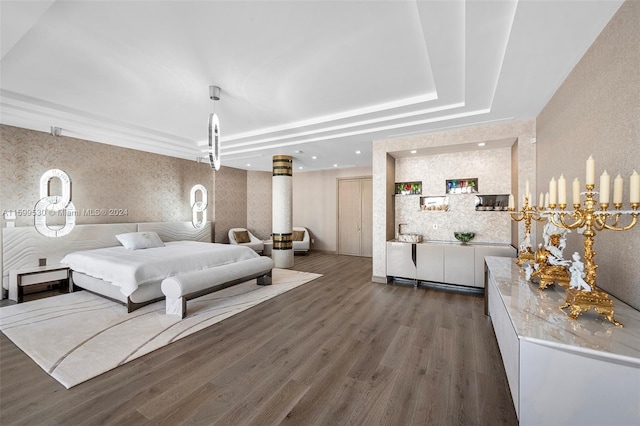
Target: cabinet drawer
column 43, row 277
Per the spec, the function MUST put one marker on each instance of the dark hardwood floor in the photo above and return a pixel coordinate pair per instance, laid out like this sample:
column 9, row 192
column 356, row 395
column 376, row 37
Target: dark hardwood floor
column 338, row 350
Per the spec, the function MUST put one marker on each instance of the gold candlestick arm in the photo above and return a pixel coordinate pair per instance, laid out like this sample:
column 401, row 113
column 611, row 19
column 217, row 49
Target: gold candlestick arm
column 528, row 214
column 601, row 220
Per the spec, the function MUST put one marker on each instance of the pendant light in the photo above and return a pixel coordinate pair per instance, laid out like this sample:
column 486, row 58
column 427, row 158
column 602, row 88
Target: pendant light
column 214, row 130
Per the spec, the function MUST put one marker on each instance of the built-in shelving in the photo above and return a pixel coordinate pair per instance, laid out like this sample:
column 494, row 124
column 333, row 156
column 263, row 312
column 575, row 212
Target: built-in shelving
column 409, row 188
column 499, row 202
column 434, row 203
column 462, row 186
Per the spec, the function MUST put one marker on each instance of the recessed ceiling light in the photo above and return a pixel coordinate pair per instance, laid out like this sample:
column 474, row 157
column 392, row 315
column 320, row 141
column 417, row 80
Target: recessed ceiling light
column 482, row 144
column 300, row 167
column 335, row 165
column 413, row 151
column 248, row 165
column 297, row 151
column 358, row 152
column 314, row 157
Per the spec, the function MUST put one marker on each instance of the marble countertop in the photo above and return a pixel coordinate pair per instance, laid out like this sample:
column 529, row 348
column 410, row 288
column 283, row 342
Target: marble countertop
column 458, row 243
column 536, row 316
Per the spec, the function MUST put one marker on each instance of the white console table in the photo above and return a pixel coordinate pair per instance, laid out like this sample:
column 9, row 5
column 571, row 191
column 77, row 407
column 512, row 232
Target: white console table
column 563, row 371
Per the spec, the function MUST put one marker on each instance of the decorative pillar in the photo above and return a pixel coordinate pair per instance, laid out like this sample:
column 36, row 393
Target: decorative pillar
column 282, row 253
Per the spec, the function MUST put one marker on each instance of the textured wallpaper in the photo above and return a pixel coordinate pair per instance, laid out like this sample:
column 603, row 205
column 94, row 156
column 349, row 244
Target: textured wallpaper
column 231, row 202
column 259, row 201
column 596, row 112
column 110, row 184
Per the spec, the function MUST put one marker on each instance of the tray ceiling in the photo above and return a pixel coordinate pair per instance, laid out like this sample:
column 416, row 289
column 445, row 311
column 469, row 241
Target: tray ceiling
column 305, row 78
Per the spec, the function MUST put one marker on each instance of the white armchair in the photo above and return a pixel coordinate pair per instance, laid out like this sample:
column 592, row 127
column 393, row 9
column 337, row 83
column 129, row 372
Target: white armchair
column 301, row 245
column 238, row 236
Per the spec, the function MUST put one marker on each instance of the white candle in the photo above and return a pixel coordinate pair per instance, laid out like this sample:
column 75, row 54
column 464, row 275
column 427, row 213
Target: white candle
column 546, row 199
column 634, row 188
column 553, row 188
column 562, row 190
column 541, row 201
column 605, row 181
column 526, row 188
column 576, row 191
column 617, row 189
column 591, row 171
column 511, row 202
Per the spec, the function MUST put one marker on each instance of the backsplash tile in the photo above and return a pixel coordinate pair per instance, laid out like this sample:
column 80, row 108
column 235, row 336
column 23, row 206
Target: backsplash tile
column 433, row 171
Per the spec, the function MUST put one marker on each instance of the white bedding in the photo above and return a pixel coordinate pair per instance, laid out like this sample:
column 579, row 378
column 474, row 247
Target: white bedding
column 128, row 269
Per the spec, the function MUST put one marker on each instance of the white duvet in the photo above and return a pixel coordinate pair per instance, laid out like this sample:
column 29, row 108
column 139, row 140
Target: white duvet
column 129, row 269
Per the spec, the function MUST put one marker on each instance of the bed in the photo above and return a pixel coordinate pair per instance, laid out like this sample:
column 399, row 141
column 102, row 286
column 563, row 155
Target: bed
column 102, row 264
column 134, row 276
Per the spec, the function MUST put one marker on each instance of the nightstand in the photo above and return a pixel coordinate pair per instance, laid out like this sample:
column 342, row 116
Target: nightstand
column 20, row 278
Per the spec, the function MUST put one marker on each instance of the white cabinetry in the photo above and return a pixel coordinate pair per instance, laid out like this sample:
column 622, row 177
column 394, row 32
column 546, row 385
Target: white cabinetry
column 459, row 264
column 430, row 262
column 400, row 260
column 482, row 252
column 450, row 263
column 563, row 371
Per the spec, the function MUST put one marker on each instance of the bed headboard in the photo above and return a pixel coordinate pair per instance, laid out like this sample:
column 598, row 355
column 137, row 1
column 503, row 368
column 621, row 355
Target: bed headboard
column 178, row 231
column 23, row 246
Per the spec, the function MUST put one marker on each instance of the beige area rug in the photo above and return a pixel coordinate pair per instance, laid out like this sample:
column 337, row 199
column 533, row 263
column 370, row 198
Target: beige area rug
column 75, row 337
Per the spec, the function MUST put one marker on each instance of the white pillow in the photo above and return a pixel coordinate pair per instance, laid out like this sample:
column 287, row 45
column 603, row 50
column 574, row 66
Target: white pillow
column 140, row 240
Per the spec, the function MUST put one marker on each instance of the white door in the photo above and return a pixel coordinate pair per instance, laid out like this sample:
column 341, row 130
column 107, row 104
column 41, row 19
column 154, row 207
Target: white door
column 355, row 216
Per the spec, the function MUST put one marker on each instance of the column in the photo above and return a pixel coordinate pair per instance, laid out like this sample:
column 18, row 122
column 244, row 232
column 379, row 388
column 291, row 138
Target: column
column 282, row 251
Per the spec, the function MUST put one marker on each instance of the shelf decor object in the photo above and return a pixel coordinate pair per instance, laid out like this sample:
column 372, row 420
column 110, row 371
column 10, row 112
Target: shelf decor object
column 408, row 188
column 528, row 213
column 462, row 186
column 434, row 203
column 589, row 219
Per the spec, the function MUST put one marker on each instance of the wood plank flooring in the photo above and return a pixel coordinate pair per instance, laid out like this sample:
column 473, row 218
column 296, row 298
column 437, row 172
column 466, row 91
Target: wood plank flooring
column 339, row 350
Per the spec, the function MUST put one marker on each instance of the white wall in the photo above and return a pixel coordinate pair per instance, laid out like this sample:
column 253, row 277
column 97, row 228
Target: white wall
column 315, row 197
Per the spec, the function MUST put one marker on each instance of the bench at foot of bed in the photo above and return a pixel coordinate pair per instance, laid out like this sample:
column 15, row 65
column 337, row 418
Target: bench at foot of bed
column 182, row 287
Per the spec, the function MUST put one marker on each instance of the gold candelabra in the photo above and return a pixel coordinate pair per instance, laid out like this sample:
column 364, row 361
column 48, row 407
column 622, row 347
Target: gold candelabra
column 528, row 213
column 591, row 220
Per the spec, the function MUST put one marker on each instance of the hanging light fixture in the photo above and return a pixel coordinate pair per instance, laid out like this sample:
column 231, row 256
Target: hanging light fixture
column 214, row 130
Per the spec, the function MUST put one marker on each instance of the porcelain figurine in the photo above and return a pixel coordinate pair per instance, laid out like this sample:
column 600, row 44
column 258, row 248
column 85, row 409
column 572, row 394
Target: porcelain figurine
column 555, row 242
column 577, row 274
column 551, row 266
column 528, row 270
